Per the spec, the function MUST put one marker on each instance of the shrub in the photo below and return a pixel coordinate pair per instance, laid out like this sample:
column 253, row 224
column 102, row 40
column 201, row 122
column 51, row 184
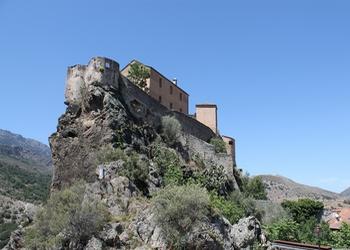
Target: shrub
column 66, row 216
column 171, row 129
column 136, row 169
column 231, row 211
column 179, row 209
column 341, row 238
column 168, row 165
column 285, row 229
column 219, row 145
column 214, row 178
column 109, row 154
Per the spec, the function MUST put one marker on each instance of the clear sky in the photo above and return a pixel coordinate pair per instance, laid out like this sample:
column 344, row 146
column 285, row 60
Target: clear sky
column 278, row 70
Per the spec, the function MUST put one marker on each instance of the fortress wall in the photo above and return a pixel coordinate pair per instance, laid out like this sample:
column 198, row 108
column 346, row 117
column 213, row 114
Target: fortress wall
column 206, row 151
column 147, row 108
column 106, row 72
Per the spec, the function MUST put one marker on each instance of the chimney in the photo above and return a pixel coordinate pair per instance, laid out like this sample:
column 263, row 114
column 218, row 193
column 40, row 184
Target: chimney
column 175, row 81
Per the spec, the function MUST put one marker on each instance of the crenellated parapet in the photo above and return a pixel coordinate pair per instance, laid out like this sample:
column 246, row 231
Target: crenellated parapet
column 99, row 69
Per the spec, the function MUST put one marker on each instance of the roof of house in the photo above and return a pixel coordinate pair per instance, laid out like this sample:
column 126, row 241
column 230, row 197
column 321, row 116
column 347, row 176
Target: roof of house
column 340, row 216
column 150, row 67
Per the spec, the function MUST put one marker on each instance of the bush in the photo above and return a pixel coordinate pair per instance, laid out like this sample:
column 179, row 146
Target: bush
column 341, row 238
column 168, row 164
column 219, row 145
column 171, row 129
column 66, row 217
column 109, row 154
column 285, row 229
column 231, row 211
column 136, row 169
column 179, row 209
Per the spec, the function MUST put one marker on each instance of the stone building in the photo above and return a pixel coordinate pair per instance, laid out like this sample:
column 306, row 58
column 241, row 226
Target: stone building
column 165, row 91
column 170, row 95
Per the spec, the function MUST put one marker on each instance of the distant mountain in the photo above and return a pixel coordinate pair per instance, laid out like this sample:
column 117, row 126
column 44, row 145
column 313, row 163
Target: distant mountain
column 26, row 151
column 346, row 193
column 280, row 188
column 25, row 167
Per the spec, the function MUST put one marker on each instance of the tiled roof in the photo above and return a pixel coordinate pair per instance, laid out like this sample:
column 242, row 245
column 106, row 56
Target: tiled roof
column 340, row 216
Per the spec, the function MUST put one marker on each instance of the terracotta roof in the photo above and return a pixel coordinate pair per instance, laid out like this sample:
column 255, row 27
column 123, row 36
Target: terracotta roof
column 340, row 216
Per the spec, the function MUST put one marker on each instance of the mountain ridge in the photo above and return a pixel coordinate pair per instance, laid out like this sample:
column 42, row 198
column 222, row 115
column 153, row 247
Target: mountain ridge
column 281, row 188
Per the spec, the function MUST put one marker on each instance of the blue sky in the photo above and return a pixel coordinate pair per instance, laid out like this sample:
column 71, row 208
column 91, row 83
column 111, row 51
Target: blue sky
column 278, row 70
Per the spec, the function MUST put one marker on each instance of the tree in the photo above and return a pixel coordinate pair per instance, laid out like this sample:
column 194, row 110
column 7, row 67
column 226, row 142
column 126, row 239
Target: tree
column 139, row 74
column 254, row 188
column 303, row 209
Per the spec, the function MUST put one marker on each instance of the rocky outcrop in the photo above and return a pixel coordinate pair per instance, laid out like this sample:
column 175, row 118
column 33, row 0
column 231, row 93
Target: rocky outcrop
column 135, row 226
column 103, row 108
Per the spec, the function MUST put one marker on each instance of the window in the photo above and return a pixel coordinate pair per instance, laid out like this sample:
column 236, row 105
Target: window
column 230, row 142
column 171, row 90
column 171, row 105
column 107, row 65
column 181, row 110
column 180, row 96
column 160, row 82
column 160, row 99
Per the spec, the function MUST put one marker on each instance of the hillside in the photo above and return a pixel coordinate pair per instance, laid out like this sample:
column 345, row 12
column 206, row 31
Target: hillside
column 346, row 193
column 280, row 188
column 25, row 167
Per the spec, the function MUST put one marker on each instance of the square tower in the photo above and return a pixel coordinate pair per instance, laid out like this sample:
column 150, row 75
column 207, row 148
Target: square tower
column 207, row 114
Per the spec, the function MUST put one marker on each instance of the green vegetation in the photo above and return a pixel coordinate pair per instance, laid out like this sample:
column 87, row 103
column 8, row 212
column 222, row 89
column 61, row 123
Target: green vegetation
column 219, row 145
column 303, row 209
column 341, row 238
column 31, row 186
column 5, row 231
column 171, row 129
column 66, row 216
column 254, row 188
column 302, row 223
column 109, row 154
column 227, row 208
column 179, row 209
column 139, row 74
column 168, row 164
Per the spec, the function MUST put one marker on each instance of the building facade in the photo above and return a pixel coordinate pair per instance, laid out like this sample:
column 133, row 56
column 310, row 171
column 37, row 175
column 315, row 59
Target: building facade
column 165, row 91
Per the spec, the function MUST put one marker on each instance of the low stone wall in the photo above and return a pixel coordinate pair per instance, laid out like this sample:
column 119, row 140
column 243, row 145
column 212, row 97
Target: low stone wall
column 146, row 108
column 207, row 152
